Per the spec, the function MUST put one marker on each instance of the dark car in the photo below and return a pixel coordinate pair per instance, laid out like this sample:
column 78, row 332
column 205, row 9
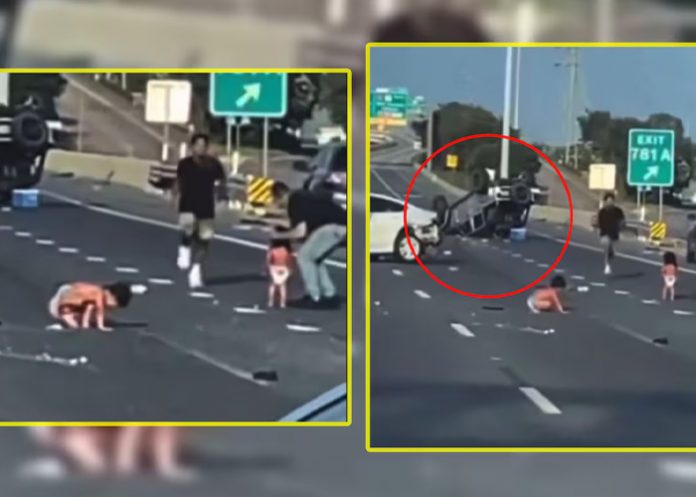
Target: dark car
column 691, row 239
column 328, row 169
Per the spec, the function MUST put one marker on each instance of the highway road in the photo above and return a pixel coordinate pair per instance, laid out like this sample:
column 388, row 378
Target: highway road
column 449, row 370
column 175, row 355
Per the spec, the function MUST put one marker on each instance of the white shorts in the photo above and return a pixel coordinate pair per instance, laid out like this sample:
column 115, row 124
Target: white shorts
column 279, row 274
column 54, row 304
column 670, row 281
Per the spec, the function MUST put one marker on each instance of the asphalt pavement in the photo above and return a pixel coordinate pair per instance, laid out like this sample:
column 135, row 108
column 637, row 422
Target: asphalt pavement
column 176, row 355
column 453, row 371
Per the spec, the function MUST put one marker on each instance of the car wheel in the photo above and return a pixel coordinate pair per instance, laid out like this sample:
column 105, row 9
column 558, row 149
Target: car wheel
column 403, row 252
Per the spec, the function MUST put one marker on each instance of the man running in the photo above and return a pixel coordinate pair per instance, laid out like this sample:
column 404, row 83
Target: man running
column 610, row 220
column 197, row 179
column 320, row 225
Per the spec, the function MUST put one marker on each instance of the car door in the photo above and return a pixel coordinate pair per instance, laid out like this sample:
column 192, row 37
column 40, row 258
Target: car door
column 385, row 223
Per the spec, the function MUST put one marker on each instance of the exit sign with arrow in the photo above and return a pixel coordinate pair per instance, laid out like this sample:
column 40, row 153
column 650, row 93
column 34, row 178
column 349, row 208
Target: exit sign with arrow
column 651, row 157
column 248, row 94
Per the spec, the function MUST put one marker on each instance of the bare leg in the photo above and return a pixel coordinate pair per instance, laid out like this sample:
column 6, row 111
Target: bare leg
column 166, row 447
column 283, row 295
column 271, row 294
column 82, row 447
column 127, row 449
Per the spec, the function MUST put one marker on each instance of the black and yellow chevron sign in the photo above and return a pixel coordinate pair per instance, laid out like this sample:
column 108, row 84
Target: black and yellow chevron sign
column 258, row 191
column 658, row 230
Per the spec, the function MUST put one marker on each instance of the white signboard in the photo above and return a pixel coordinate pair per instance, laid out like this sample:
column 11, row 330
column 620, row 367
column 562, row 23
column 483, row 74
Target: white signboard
column 168, row 101
column 603, row 177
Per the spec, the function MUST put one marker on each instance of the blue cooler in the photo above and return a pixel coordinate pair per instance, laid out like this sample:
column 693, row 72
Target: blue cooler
column 25, row 199
column 518, row 234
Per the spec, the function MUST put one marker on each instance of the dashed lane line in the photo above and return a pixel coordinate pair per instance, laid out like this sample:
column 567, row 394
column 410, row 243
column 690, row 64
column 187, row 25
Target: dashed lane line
column 421, row 294
column 540, row 400
column 397, row 272
column 68, row 250
column 462, row 330
column 127, row 270
column 94, row 258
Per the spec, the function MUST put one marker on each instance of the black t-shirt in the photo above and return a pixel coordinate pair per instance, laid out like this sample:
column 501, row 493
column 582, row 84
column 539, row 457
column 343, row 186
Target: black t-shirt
column 314, row 209
column 610, row 220
column 197, row 178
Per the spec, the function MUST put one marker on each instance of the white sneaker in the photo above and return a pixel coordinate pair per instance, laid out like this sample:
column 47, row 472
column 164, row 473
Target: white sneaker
column 607, row 269
column 195, row 277
column 184, row 260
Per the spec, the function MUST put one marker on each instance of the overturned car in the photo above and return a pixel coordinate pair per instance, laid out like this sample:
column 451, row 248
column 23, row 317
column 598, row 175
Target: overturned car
column 24, row 143
column 488, row 210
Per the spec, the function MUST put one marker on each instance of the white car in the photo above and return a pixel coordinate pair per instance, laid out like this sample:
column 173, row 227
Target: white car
column 387, row 228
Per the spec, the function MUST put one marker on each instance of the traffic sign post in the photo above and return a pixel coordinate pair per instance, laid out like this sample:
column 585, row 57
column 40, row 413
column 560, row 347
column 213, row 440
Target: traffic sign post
column 247, row 95
column 651, row 159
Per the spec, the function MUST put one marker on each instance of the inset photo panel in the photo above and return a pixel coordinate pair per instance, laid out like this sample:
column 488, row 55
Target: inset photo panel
column 531, row 247
column 174, row 247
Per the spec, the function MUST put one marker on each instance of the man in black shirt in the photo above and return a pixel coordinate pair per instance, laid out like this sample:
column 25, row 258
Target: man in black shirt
column 320, row 225
column 197, row 179
column 610, row 221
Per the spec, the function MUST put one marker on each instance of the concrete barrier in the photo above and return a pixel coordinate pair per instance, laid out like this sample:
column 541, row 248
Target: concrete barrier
column 109, row 169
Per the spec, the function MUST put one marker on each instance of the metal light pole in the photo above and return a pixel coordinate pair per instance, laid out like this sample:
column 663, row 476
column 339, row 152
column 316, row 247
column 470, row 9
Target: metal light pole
column 505, row 150
column 570, row 132
column 516, row 113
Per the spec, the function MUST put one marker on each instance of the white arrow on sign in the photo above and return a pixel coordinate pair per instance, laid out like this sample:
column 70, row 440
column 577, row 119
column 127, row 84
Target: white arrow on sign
column 652, row 172
column 251, row 92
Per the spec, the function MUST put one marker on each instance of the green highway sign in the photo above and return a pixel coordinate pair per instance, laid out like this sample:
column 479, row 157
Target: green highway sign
column 249, row 94
column 651, row 157
column 389, row 102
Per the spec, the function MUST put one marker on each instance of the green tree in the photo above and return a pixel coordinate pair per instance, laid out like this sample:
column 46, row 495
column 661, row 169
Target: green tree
column 333, row 95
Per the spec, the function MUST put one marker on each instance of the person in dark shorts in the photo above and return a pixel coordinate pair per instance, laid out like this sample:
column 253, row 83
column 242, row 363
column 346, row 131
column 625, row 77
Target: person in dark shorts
column 610, row 221
column 200, row 178
column 319, row 224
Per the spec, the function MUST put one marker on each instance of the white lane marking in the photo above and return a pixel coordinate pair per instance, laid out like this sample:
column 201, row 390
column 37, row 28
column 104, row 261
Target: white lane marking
column 516, row 255
column 683, row 313
column 127, row 270
column 5, row 227
column 397, row 272
column 249, row 310
column 22, row 234
column 68, row 250
column 583, row 289
column 160, row 281
column 302, row 328
column 202, row 356
column 678, row 469
column 578, row 277
column 462, row 330
column 453, row 268
column 385, row 184
column 7, row 209
column 201, row 295
column 539, row 400
column 650, row 301
column 139, row 289
column 447, row 252
column 631, row 333
column 169, row 226
column 598, row 283
column 43, row 241
column 542, row 264
column 561, row 270
column 94, row 258
column 421, row 294
column 529, row 261
column 622, row 292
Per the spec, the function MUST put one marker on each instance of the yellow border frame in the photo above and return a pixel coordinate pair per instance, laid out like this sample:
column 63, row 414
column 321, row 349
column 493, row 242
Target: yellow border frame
column 349, row 250
column 368, row 445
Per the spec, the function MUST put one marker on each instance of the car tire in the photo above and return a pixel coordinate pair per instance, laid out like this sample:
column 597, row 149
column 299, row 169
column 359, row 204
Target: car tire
column 402, row 251
column 29, row 130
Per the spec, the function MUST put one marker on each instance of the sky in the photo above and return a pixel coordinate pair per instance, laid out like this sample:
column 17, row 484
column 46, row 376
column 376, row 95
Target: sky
column 625, row 81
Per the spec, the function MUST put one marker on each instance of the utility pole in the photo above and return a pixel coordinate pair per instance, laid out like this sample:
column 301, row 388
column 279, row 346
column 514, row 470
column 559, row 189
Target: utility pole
column 516, row 113
column 570, row 123
column 505, row 149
